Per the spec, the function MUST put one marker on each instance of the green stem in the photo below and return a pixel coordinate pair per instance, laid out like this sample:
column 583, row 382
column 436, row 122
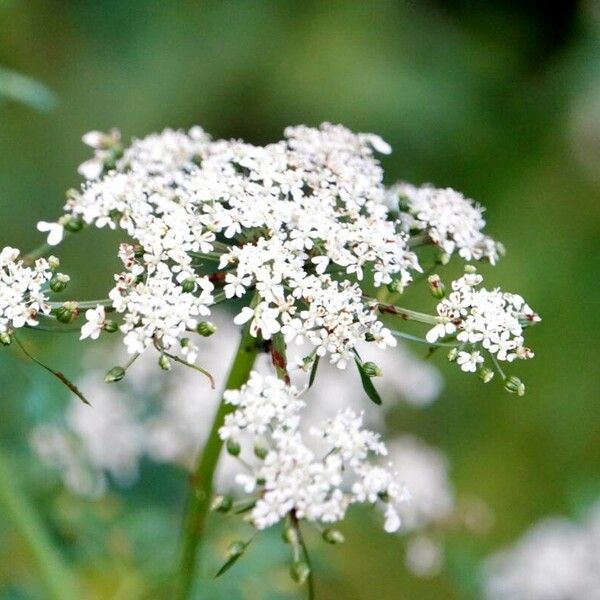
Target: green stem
column 54, row 572
column 202, row 482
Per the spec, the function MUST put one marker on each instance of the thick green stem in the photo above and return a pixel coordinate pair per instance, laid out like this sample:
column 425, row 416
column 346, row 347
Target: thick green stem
column 54, row 573
column 202, row 481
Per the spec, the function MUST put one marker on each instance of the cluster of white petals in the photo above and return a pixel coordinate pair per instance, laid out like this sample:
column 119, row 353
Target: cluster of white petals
column 22, row 290
column 557, row 559
column 482, row 319
column 452, row 221
column 298, row 222
column 296, row 479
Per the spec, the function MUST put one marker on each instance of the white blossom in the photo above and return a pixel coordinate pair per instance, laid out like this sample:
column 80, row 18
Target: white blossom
column 95, row 321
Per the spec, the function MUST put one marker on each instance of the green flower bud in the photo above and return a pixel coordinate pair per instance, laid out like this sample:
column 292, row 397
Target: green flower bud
column 369, row 337
column 188, row 286
column 436, row 287
column 260, row 452
column 5, row 338
column 59, row 282
column 138, row 251
column 333, row 536
column 221, row 504
column 67, row 313
column 290, row 535
column 372, row 370
column 73, row 223
column 110, row 326
column 486, row 375
column 470, row 269
column 452, row 354
column 115, row 374
column 299, row 571
column 53, row 262
column 206, row 328
column 164, row 363
column 395, row 286
column 442, row 258
column 514, row 385
column 232, row 447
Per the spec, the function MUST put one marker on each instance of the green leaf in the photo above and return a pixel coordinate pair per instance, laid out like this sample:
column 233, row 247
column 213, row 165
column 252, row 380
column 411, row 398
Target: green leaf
column 367, row 383
column 236, row 551
column 313, row 371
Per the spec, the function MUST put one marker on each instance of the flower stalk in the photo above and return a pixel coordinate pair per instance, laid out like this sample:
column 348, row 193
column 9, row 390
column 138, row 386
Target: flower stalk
column 202, row 478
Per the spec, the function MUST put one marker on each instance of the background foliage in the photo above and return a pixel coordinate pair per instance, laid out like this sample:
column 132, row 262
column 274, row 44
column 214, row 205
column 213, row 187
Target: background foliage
column 500, row 100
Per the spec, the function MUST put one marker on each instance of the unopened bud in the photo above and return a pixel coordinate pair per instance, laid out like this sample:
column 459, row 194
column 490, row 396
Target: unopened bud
column 5, row 338
column 369, row 337
column 290, row 535
column 299, row 571
column 73, row 223
column 395, row 286
column 236, row 549
column 372, row 370
column 470, row 269
column 164, row 363
column 138, row 251
column 188, row 285
column 206, row 328
column 67, row 313
column 53, row 262
column 221, row 504
column 443, row 258
column 232, row 447
column 436, row 287
column 452, row 354
column 59, row 282
column 486, row 375
column 260, row 451
column 110, row 326
column 514, row 385
column 333, row 536
column 115, row 374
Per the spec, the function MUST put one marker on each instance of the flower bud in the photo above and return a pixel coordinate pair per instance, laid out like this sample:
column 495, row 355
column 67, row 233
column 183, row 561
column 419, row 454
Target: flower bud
column 486, row 375
column 53, row 262
column 514, row 385
column 67, row 313
column 5, row 338
column 260, row 451
column 369, row 337
column 221, row 504
column 470, row 269
column 188, row 286
column 299, row 571
column 232, row 447
column 442, row 258
column 138, row 251
column 333, row 536
column 73, row 223
column 290, row 535
column 59, row 282
column 436, row 287
column 452, row 354
column 206, row 328
column 395, row 286
column 164, row 363
column 110, row 326
column 372, row 370
column 115, row 374
column 236, row 549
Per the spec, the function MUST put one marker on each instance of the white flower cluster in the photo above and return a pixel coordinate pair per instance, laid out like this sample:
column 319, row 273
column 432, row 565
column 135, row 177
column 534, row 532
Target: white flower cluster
column 483, row 319
column 556, row 559
column 22, row 290
column 452, row 221
column 292, row 479
column 280, row 220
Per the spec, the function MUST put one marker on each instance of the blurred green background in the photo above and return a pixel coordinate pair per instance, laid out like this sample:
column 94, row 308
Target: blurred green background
column 500, row 100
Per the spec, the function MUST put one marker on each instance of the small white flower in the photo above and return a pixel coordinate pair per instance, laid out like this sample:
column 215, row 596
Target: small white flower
column 55, row 231
column 95, row 321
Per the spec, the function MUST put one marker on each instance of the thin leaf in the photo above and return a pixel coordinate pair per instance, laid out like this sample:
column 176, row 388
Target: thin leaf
column 58, row 374
column 232, row 560
column 313, row 371
column 367, row 383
